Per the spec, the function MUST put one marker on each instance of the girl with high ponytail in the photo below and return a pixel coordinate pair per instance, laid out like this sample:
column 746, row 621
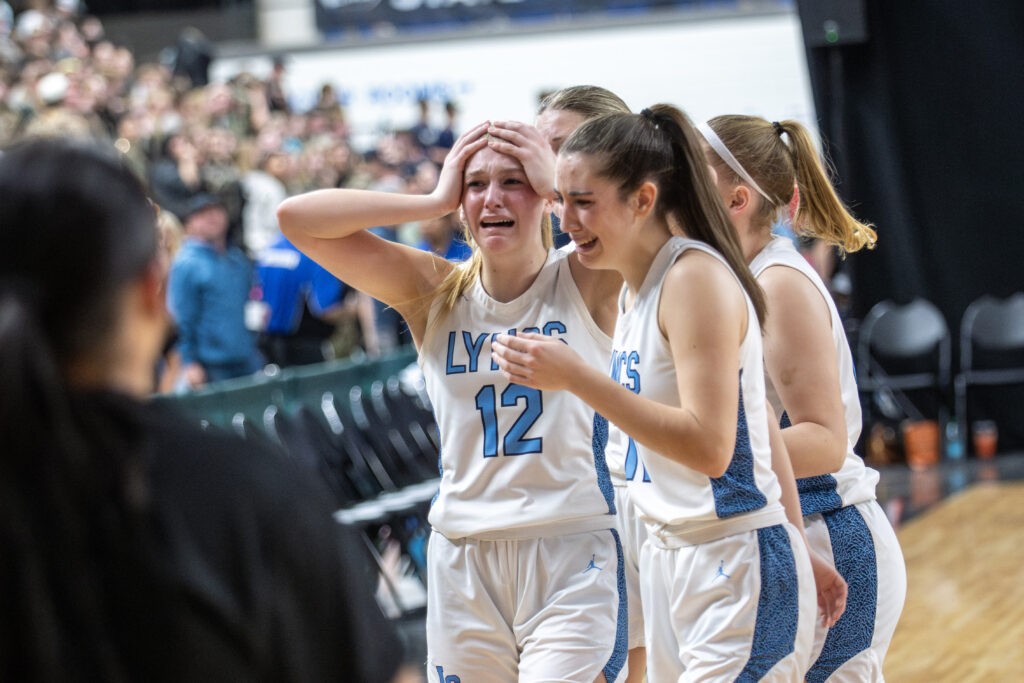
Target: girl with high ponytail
column 727, row 585
column 134, row 546
column 811, row 380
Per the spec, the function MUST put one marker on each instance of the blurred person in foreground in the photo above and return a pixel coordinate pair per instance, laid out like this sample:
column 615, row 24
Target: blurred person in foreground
column 137, row 546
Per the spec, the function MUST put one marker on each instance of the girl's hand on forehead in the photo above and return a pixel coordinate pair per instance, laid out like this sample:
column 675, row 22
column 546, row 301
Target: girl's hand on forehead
column 525, row 143
column 449, row 181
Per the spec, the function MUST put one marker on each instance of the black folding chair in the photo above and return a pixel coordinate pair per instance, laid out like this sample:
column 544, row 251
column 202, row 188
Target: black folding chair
column 904, row 350
column 367, row 470
column 991, row 352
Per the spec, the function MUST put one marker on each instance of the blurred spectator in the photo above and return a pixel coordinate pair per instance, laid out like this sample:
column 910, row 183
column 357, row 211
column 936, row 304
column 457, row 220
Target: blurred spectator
column 422, row 134
column 208, row 289
column 175, row 178
column 276, row 99
column 446, row 137
column 264, row 190
column 302, row 302
column 443, row 236
column 170, row 377
column 221, row 176
column 329, row 106
column 6, row 19
column 193, row 54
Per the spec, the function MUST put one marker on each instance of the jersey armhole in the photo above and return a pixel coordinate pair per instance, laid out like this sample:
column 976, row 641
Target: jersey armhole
column 825, row 301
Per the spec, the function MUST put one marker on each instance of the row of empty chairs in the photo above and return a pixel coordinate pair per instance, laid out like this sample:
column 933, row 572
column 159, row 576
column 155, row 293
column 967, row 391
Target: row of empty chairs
column 905, row 350
column 366, row 429
column 363, row 443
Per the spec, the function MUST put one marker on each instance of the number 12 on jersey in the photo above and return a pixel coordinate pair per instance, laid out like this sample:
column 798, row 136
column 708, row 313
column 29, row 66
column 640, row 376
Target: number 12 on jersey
column 514, row 441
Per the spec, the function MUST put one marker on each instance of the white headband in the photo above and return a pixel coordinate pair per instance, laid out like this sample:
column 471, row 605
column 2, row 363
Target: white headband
column 733, row 163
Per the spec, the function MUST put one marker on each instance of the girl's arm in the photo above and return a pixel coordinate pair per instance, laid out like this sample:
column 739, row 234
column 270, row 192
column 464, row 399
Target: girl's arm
column 829, row 583
column 800, row 359
column 703, row 315
column 330, row 227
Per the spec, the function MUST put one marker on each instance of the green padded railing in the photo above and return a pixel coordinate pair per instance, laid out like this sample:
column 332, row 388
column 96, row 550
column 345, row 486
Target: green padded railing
column 289, row 388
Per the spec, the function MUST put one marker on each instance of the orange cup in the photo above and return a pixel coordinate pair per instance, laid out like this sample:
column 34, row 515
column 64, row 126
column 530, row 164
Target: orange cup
column 985, row 437
column 921, row 443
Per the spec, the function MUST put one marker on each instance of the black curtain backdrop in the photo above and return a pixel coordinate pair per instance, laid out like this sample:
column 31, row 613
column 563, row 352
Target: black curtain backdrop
column 923, row 122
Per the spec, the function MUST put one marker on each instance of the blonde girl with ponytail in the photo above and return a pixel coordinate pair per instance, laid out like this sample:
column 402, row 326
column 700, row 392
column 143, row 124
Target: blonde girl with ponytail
column 810, row 378
column 524, row 566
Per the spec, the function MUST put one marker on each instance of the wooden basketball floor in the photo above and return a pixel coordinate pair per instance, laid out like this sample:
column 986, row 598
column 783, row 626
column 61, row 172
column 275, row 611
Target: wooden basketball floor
column 964, row 616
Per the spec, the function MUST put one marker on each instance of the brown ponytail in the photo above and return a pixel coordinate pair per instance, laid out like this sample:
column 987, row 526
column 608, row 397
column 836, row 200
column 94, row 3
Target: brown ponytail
column 661, row 145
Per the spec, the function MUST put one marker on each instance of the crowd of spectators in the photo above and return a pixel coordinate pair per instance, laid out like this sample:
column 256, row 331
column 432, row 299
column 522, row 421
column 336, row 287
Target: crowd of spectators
column 238, row 141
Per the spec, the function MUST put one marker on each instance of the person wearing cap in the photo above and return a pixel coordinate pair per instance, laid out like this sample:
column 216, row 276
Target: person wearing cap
column 208, row 289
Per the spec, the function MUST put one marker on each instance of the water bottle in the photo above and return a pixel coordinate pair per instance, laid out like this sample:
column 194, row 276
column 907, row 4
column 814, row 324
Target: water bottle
column 954, row 449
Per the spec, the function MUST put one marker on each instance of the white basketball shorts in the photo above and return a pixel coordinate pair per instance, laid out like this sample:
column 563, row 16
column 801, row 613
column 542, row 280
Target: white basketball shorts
column 734, row 609
column 534, row 610
column 861, row 544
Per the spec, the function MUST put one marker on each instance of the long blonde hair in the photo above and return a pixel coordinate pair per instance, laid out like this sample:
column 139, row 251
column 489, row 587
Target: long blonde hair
column 759, row 147
column 465, row 274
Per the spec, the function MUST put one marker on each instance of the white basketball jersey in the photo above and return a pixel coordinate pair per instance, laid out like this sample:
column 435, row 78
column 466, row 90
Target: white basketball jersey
column 515, row 462
column 854, row 482
column 665, row 492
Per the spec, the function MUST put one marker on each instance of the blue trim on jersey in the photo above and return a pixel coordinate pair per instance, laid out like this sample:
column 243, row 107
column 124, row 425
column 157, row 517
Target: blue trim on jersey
column 599, row 441
column 618, row 659
column 818, row 494
column 440, row 473
column 854, row 551
column 778, row 607
column 736, row 491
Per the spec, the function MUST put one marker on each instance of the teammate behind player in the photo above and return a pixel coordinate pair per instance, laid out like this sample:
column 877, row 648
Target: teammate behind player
column 524, row 568
column 810, row 379
column 559, row 114
column 727, row 587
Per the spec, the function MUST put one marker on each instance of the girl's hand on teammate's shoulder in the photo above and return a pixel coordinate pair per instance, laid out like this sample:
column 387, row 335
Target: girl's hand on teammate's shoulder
column 450, row 180
column 537, row 360
column 525, row 143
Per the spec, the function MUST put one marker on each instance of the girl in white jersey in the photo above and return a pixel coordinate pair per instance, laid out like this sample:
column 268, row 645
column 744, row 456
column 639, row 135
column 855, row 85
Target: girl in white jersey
column 726, row 584
column 524, row 569
column 811, row 380
column 559, row 114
